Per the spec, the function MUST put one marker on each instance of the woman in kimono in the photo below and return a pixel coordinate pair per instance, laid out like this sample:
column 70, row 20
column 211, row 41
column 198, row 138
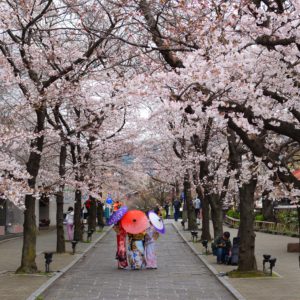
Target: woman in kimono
column 136, row 251
column 150, row 251
column 121, row 255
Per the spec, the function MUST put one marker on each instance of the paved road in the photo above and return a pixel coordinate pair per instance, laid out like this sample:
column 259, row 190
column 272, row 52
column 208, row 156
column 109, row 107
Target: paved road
column 181, row 275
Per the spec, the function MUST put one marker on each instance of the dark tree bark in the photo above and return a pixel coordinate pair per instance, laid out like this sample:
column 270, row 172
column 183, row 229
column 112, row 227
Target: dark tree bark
column 205, row 219
column 78, row 234
column 157, row 36
column 60, row 236
column 192, row 224
column 201, row 148
column 100, row 214
column 247, row 261
column 92, row 214
column 216, row 214
column 205, row 234
column 28, row 264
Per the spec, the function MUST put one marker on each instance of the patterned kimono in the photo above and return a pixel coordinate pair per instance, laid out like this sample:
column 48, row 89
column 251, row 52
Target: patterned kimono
column 136, row 252
column 150, row 251
column 121, row 247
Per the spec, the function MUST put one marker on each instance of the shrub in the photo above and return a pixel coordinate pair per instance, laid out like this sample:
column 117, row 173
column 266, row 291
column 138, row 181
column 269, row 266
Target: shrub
column 288, row 217
column 233, row 214
column 259, row 217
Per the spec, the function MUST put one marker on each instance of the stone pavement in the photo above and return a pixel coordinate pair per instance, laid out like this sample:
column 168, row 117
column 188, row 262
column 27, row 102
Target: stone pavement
column 286, row 286
column 20, row 287
column 181, row 275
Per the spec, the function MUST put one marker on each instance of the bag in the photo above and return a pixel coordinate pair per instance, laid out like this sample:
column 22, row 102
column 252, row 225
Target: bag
column 214, row 248
column 235, row 251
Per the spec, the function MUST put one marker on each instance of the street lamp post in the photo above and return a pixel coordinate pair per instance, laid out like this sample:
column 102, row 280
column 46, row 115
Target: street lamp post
column 272, row 262
column 48, row 260
column 89, row 235
column 205, row 245
column 74, row 243
column 194, row 235
column 265, row 260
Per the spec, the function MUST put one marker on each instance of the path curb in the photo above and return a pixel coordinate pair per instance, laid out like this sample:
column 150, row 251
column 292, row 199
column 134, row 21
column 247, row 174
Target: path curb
column 226, row 284
column 49, row 282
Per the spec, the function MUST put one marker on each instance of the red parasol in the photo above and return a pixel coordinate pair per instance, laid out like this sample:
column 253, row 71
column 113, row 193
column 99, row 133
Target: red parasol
column 135, row 221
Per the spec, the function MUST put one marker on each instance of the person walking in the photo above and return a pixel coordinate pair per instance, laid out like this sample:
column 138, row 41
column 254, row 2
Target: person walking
column 70, row 223
column 197, row 207
column 121, row 255
column 177, row 205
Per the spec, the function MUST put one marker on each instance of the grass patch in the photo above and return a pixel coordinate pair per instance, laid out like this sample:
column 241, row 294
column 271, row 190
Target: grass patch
column 37, row 274
column 250, row 274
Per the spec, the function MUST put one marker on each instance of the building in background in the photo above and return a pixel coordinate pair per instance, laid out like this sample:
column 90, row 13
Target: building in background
column 11, row 218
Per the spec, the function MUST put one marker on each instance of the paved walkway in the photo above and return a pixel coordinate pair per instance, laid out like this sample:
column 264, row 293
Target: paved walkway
column 20, row 287
column 286, row 286
column 181, row 275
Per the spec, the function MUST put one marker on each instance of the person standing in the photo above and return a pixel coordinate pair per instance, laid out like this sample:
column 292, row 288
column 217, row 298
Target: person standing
column 150, row 251
column 166, row 207
column 116, row 205
column 84, row 213
column 121, row 255
column 177, row 205
column 70, row 223
column 197, row 207
column 156, row 209
column 136, row 251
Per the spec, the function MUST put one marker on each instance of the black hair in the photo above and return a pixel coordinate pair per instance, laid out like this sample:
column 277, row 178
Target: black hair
column 70, row 208
column 226, row 234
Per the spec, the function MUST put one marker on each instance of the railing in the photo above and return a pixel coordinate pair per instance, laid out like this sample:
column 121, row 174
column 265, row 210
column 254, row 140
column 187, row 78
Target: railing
column 270, row 227
column 232, row 222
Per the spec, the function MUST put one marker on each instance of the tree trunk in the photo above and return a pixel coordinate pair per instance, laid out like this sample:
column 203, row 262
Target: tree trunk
column 28, row 264
column 205, row 235
column 216, row 215
column 192, row 224
column 60, row 235
column 205, row 219
column 247, row 261
column 100, row 214
column 92, row 214
column 78, row 234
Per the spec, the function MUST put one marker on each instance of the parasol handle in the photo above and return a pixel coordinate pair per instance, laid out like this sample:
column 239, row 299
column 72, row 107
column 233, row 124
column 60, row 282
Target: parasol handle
column 133, row 220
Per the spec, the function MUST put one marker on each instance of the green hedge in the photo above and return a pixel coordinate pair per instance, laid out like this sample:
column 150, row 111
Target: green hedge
column 259, row 217
column 233, row 214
